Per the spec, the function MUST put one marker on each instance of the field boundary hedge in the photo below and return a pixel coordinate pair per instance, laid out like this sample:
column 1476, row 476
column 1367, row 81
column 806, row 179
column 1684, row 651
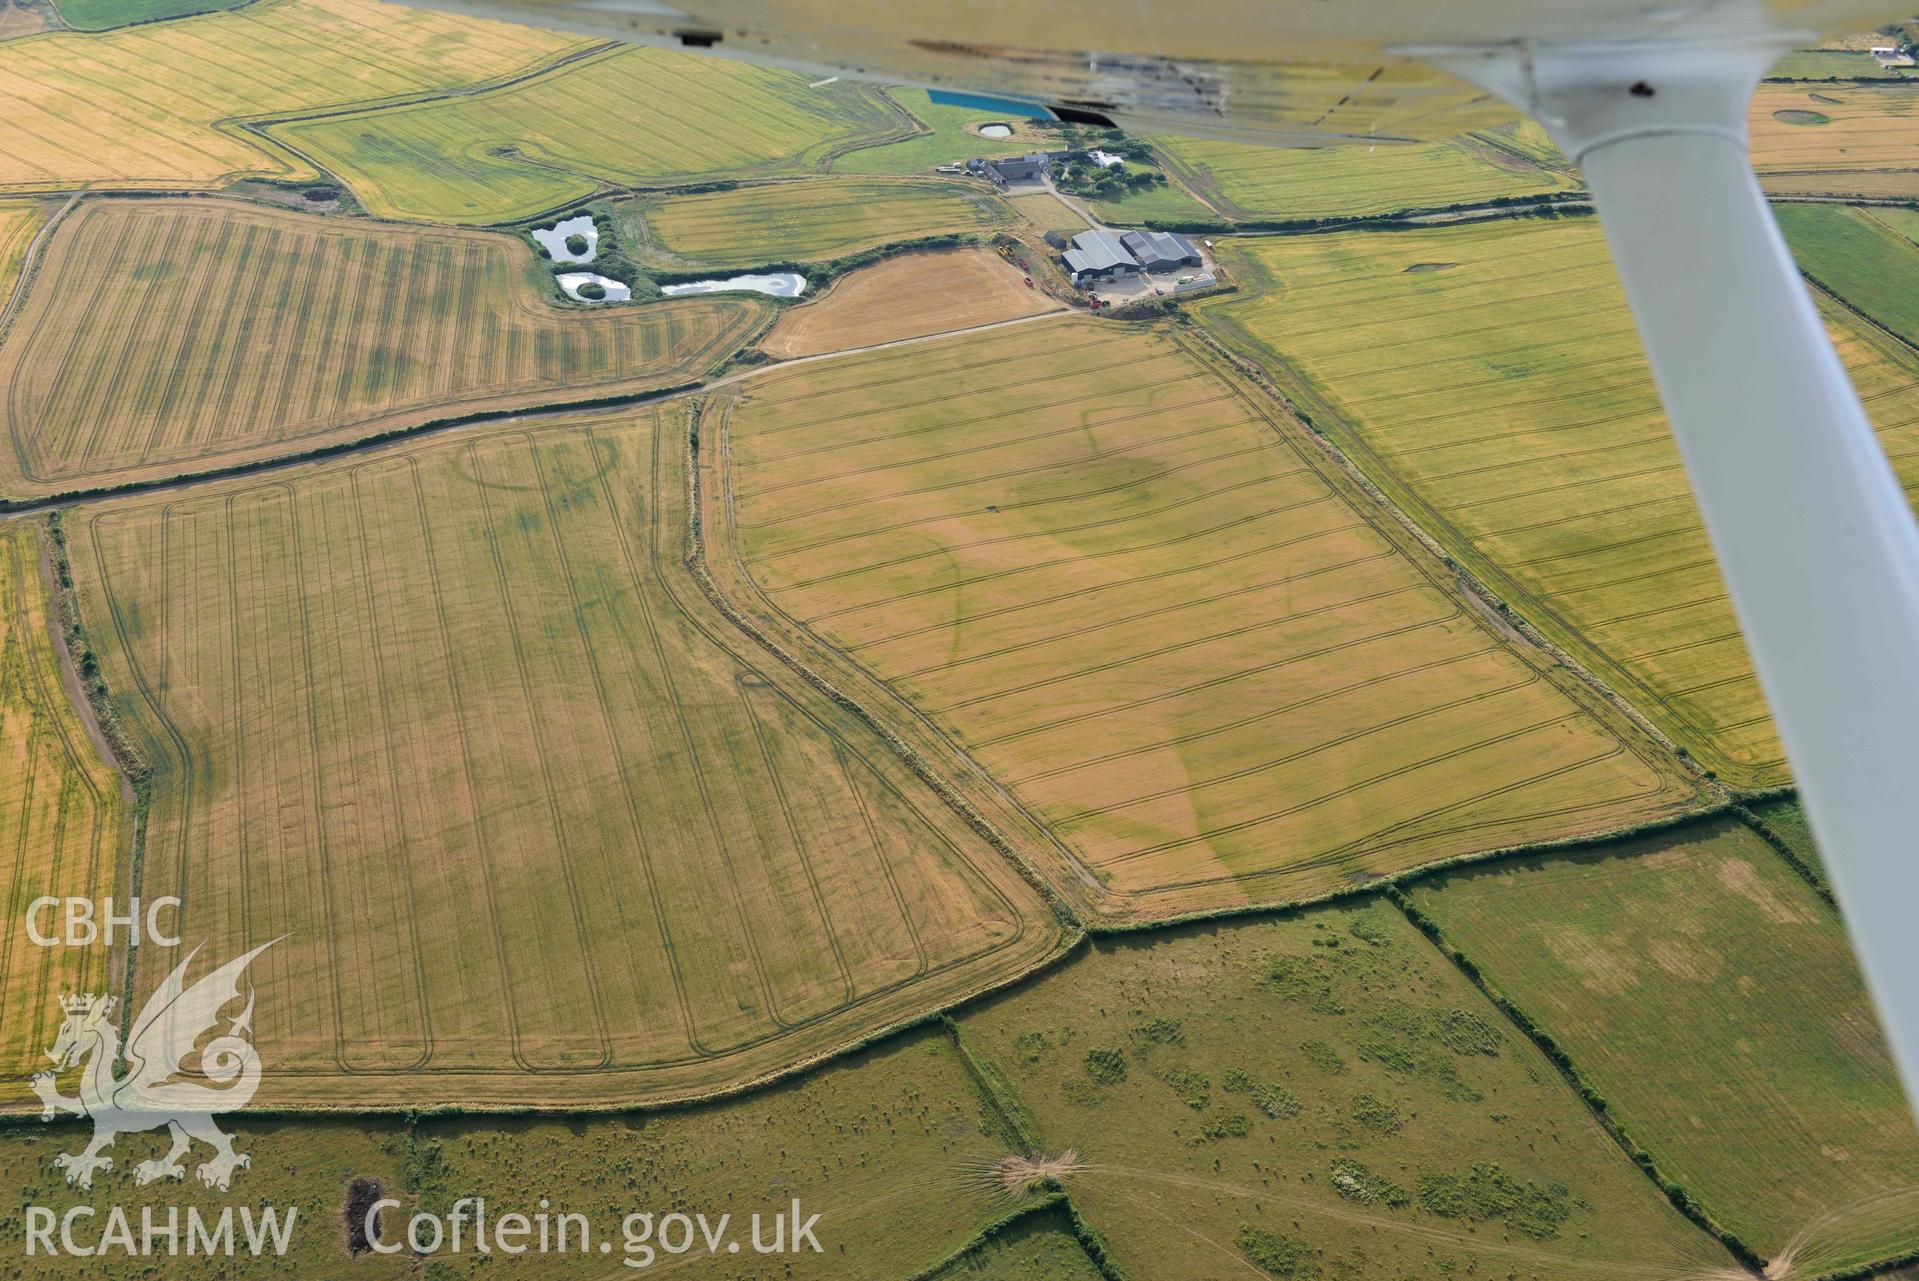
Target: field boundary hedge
column 432, row 426
column 1474, row 582
column 77, row 655
column 1678, row 1194
column 1538, row 205
column 1806, row 872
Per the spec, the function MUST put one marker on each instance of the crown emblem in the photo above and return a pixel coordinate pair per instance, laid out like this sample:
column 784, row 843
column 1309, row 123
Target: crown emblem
column 84, row 1002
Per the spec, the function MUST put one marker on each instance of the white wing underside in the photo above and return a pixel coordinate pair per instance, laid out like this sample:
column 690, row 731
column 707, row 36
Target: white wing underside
column 1283, row 72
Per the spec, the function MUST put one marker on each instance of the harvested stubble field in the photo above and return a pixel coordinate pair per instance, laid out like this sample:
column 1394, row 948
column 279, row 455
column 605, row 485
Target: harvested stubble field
column 814, row 218
column 1709, row 994
column 1868, row 259
column 540, row 825
column 156, row 105
column 892, row 1147
column 1318, row 1097
column 1843, row 130
column 162, row 337
column 1159, row 617
column 1336, row 182
column 1489, row 378
column 907, row 296
column 62, row 817
column 19, row 220
column 628, row 116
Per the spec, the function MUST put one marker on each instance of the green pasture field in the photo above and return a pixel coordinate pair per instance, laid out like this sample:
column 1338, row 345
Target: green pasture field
column 627, row 117
column 1245, row 182
column 303, row 1166
column 101, row 15
column 1489, row 378
column 951, row 140
column 1864, row 258
column 815, row 218
column 1040, row 1247
column 1708, row 993
column 538, row 824
column 154, row 105
column 1137, row 598
column 63, row 822
column 162, row 337
column 1166, row 203
column 894, row 1148
column 1319, row 1096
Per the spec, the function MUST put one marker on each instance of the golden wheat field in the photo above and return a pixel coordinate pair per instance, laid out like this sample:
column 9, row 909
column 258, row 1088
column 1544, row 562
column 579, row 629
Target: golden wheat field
column 162, row 337
column 1141, row 603
column 1710, row 995
column 1491, row 380
column 160, row 104
column 1800, row 130
column 19, row 220
column 907, row 296
column 1335, row 182
column 62, row 816
column 531, row 814
column 625, row 117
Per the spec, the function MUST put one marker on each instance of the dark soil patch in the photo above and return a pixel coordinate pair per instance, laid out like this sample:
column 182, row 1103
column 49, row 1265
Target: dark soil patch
column 361, row 1194
column 1432, row 266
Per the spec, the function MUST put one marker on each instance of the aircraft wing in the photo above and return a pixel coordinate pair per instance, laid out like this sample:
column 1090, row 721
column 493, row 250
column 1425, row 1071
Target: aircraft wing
column 1281, row 72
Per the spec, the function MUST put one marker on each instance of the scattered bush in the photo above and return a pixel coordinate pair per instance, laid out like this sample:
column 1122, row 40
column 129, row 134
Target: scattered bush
column 1108, row 1067
column 1324, row 1057
column 1225, row 1125
column 1376, row 1114
column 1486, row 1193
column 1360, row 1183
column 1464, row 1032
column 1277, row 1102
column 1159, row 1032
column 1193, row 1088
column 1277, row 1255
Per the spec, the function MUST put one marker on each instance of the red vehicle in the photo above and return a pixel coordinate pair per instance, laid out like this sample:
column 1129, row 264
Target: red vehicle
column 1029, row 282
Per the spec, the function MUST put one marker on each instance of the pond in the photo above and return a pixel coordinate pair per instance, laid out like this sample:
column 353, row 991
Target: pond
column 783, row 284
column 571, row 283
column 553, row 239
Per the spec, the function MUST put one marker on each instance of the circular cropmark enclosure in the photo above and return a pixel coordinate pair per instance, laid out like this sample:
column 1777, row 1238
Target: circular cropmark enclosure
column 1800, row 116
